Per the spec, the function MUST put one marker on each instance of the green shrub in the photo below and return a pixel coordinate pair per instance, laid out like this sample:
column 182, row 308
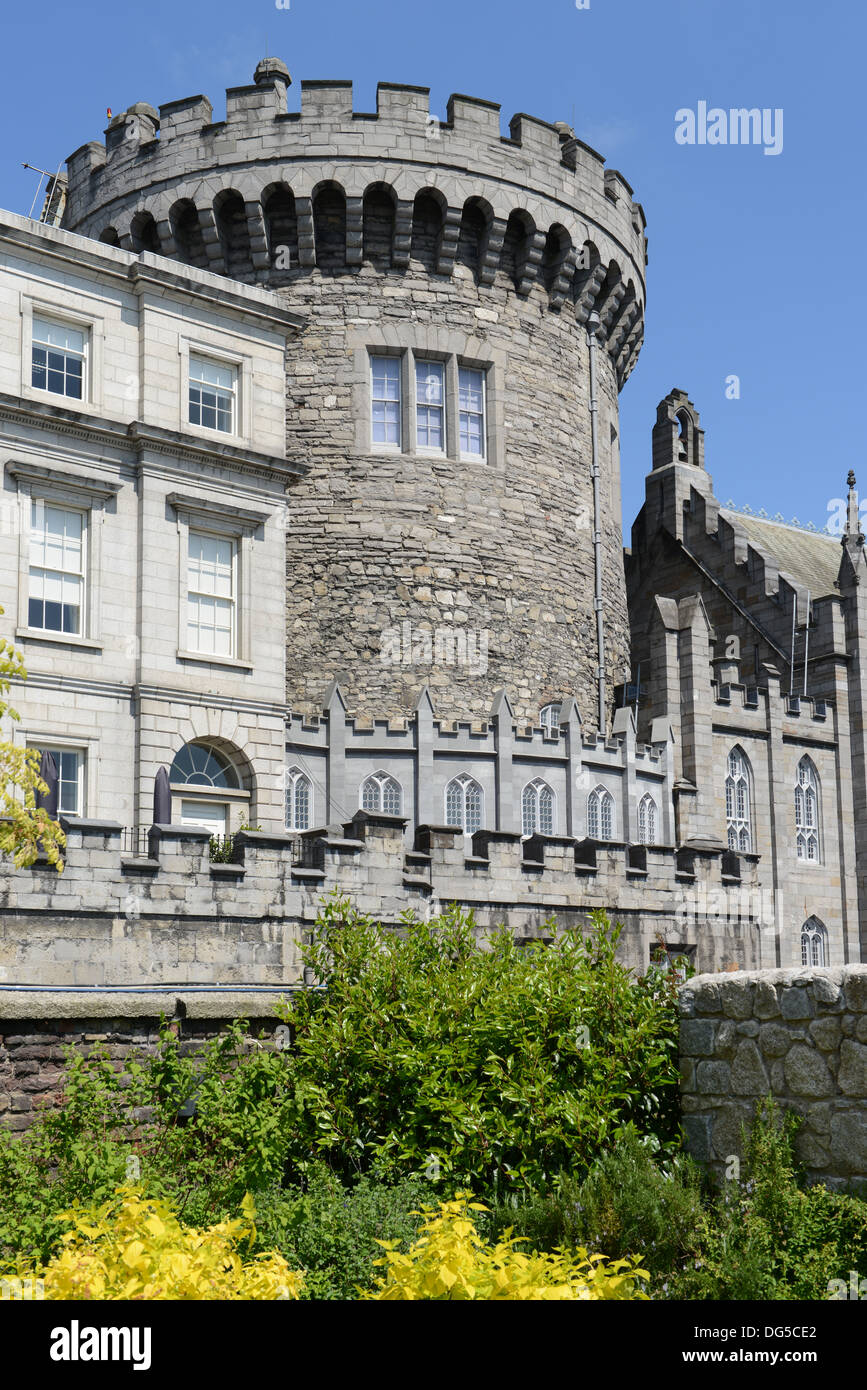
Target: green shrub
column 766, row 1237
column 499, row 1066
column 332, row 1232
column 625, row 1203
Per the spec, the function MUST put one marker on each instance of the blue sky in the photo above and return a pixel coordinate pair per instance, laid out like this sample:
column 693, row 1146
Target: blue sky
column 756, row 261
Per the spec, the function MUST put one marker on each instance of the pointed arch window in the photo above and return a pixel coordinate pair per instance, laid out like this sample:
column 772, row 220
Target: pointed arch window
column 739, row 803
column 299, row 799
column 814, row 943
column 600, row 814
column 464, row 804
column 807, row 811
column 380, row 792
column 648, row 820
column 537, row 808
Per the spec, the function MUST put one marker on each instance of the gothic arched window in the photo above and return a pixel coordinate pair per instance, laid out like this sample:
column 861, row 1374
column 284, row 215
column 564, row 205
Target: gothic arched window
column 537, row 808
column 600, row 814
column 647, row 820
column 807, row 811
column 381, row 793
column 299, row 799
column 814, row 943
column 464, row 804
column 738, row 810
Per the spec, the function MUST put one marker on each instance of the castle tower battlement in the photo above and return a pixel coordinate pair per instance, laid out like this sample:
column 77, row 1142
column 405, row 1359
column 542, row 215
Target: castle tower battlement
column 474, row 264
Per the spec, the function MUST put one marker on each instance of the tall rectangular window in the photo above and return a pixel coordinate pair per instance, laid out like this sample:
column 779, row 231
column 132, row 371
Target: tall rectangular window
column 70, row 779
column 471, row 405
column 430, row 405
column 56, row 595
column 211, row 595
column 58, row 356
column 385, row 400
column 213, row 392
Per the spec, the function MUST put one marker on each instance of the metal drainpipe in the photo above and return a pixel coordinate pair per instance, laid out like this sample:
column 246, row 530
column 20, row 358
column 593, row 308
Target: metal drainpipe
column 592, row 325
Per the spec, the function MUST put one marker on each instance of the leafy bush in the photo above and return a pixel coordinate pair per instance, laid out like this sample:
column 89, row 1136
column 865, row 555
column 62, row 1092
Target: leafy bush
column 237, row 1141
column 424, row 1052
column 135, row 1248
column 450, row 1260
column 332, row 1232
column 625, row 1202
column 767, row 1238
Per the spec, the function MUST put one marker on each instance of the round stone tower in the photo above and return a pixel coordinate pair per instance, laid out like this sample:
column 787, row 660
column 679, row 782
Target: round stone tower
column 440, row 394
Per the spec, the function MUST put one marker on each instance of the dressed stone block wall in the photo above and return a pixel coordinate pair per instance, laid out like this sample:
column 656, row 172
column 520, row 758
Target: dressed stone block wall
column 800, row 1035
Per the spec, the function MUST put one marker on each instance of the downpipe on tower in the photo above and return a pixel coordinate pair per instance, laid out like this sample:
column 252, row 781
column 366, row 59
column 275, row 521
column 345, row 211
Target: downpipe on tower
column 592, row 326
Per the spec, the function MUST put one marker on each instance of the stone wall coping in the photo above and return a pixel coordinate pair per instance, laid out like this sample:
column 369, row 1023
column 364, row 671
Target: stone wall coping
column 800, row 975
column 211, row 1002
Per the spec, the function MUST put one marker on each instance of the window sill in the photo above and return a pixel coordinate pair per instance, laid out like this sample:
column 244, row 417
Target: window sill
column 205, row 659
column 39, row 393
column 204, row 432
column 58, row 639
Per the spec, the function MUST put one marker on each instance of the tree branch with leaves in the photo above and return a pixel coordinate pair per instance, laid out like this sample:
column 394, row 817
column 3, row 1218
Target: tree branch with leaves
column 26, row 830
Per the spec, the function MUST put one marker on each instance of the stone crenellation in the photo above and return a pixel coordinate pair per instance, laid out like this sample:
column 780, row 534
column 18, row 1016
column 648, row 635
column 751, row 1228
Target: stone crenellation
column 401, row 235
column 800, row 1035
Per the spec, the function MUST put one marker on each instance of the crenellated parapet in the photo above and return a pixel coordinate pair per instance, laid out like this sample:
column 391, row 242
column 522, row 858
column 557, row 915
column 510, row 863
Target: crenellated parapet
column 226, row 194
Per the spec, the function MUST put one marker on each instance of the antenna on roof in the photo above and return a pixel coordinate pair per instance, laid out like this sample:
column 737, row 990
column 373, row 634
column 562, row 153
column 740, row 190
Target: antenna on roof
column 55, row 195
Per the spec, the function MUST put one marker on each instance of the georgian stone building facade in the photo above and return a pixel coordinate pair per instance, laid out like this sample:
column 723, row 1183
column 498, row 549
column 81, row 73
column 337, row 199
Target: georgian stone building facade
column 311, row 481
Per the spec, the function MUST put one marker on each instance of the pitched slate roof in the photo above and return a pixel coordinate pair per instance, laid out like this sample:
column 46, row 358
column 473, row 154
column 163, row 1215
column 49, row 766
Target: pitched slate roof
column 812, row 560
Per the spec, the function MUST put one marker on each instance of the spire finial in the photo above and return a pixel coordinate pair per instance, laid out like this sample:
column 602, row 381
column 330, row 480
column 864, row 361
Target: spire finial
column 853, row 519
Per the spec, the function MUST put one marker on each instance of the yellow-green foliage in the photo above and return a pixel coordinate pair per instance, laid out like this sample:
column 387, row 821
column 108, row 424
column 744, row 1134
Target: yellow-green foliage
column 450, row 1260
column 135, row 1248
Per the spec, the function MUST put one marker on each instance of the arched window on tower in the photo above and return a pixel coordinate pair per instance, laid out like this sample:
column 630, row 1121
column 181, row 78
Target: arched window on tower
column 738, row 803
column 647, row 820
column 814, row 943
column 549, row 718
column 807, row 812
column 464, row 804
column 537, row 808
column 600, row 814
column 299, row 799
column 381, row 793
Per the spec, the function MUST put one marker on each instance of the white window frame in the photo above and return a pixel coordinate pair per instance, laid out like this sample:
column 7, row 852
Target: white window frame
column 536, row 788
column 380, row 780
column 805, row 833
column 739, row 815
column 92, row 325
column 57, row 634
column 547, row 720
column 37, row 341
column 228, row 522
column 232, row 542
column 198, row 359
column 648, row 820
column 48, row 744
column 464, row 454
column 814, row 933
column 295, row 775
column 419, row 360
column 380, row 445
column 465, row 782
column 74, row 492
column 221, row 357
column 599, row 802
